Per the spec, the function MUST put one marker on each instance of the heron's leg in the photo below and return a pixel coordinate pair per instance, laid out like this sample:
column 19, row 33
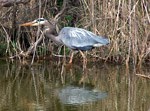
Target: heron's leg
column 84, row 59
column 71, row 57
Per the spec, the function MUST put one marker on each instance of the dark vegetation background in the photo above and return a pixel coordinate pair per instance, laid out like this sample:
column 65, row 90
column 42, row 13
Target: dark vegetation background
column 125, row 22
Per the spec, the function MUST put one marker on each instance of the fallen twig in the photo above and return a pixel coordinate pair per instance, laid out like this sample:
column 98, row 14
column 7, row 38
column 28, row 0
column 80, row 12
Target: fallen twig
column 141, row 75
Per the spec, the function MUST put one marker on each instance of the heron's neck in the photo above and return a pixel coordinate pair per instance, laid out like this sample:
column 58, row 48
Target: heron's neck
column 49, row 31
column 50, row 35
column 49, row 27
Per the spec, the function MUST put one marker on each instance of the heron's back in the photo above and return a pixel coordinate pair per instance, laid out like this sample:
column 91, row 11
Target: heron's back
column 81, row 39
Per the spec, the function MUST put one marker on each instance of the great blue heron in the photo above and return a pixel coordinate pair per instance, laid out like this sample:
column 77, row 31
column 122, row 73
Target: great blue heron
column 77, row 39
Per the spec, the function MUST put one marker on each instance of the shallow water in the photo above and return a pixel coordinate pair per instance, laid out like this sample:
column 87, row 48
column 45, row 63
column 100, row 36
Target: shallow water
column 47, row 85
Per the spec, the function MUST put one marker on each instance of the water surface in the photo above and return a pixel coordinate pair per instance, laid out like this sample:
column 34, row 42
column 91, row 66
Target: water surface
column 49, row 86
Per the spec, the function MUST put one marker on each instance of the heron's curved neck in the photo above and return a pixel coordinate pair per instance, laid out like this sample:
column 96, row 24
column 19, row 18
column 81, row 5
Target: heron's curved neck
column 54, row 38
column 49, row 27
column 49, row 31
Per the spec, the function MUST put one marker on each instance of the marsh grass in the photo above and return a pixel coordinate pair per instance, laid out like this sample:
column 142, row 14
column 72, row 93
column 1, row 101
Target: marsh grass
column 125, row 22
column 127, row 25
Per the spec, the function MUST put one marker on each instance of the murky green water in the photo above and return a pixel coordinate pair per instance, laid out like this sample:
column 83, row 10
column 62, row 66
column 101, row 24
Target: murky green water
column 47, row 86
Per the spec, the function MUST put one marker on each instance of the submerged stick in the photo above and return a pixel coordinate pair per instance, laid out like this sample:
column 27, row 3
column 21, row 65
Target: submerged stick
column 141, row 75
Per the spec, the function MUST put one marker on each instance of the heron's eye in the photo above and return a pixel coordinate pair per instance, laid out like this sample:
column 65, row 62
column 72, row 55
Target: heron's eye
column 40, row 19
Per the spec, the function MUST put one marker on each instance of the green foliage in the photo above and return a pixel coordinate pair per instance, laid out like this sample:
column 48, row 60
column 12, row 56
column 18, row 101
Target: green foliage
column 3, row 47
column 42, row 50
column 68, row 19
column 59, row 3
column 64, row 50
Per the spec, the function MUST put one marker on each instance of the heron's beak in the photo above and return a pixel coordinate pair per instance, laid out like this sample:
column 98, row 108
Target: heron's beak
column 28, row 24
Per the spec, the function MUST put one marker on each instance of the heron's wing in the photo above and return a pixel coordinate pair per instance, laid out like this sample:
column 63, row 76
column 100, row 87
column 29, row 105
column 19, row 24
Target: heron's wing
column 77, row 38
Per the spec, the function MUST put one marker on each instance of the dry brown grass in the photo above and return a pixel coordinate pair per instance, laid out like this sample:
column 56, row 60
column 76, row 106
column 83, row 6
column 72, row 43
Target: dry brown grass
column 125, row 22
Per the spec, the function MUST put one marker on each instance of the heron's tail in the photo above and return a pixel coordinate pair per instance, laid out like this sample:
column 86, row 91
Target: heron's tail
column 102, row 40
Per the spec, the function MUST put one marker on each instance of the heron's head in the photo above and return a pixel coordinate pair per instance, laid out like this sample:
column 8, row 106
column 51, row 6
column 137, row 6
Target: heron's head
column 37, row 22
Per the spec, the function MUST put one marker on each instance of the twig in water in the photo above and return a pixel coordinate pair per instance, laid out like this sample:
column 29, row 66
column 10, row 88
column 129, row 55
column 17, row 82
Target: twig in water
column 141, row 75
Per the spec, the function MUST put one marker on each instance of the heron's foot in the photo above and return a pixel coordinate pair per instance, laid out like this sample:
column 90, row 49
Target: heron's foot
column 70, row 62
column 71, row 58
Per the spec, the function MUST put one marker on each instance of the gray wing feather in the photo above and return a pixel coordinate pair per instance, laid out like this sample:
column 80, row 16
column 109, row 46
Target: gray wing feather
column 77, row 37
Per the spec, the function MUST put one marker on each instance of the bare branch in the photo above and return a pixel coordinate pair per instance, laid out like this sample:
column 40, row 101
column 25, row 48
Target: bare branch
column 9, row 3
column 141, row 75
column 30, row 49
column 56, row 18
